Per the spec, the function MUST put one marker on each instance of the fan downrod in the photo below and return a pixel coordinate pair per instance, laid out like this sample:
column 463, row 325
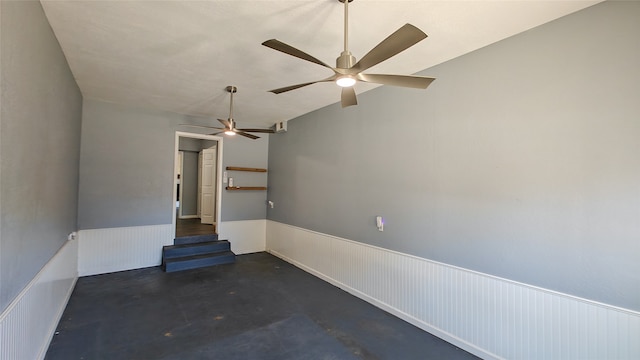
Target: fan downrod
column 346, row 60
column 231, row 89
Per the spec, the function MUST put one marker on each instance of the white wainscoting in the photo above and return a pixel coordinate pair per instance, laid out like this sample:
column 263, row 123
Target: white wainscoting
column 28, row 323
column 246, row 236
column 103, row 251
column 491, row 317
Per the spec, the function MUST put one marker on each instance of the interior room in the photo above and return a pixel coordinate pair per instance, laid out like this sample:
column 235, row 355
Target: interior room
column 478, row 181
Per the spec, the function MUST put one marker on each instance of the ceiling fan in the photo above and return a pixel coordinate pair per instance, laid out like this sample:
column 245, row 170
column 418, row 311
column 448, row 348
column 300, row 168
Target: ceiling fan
column 347, row 71
column 230, row 124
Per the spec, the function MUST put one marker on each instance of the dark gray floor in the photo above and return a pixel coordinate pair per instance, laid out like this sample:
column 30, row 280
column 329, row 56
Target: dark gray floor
column 258, row 308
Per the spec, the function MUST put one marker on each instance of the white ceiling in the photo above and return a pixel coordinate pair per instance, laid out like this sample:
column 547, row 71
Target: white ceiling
column 179, row 56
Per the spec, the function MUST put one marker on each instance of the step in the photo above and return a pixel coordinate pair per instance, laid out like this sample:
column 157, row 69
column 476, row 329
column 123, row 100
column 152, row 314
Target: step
column 198, row 261
column 172, row 251
column 195, row 239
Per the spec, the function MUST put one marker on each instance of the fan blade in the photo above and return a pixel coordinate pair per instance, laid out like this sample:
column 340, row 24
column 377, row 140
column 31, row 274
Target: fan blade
column 225, row 123
column 349, row 97
column 402, row 39
column 217, row 133
column 289, row 88
column 417, row 82
column 293, row 87
column 288, row 49
column 266, row 131
column 201, row 126
column 250, row 136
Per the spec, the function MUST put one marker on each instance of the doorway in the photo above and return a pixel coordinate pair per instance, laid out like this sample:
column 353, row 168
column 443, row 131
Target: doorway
column 197, row 184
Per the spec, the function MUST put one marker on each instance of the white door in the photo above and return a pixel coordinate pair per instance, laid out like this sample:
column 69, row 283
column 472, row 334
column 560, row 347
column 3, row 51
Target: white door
column 208, row 197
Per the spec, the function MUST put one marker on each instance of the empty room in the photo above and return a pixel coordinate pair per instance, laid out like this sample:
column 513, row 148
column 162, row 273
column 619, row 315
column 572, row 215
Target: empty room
column 202, row 180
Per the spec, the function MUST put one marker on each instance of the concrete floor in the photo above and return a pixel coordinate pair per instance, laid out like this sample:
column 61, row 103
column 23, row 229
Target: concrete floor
column 258, row 308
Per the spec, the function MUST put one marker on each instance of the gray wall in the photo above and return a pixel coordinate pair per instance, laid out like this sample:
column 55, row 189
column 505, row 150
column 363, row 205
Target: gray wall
column 126, row 167
column 189, row 183
column 40, row 120
column 522, row 160
column 189, row 144
column 243, row 152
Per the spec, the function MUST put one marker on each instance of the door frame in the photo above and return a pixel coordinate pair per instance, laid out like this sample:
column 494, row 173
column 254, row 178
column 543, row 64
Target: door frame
column 218, row 204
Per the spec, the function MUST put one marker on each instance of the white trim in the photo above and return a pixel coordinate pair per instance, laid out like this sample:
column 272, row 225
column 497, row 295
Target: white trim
column 108, row 250
column 57, row 317
column 486, row 315
column 189, row 217
column 469, row 347
column 219, row 139
column 180, row 162
column 533, row 287
column 27, row 325
column 245, row 236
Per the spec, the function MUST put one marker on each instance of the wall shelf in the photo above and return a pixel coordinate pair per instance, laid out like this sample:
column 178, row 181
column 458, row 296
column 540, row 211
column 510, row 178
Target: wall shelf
column 237, row 168
column 246, row 188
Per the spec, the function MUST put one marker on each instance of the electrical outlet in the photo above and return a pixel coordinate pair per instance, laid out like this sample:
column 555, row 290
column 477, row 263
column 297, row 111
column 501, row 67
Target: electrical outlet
column 380, row 223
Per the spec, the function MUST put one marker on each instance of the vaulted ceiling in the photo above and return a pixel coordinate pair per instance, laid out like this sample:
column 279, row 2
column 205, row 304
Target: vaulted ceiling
column 179, row 56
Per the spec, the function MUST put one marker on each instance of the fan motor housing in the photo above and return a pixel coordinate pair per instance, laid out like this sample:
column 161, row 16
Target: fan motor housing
column 345, row 60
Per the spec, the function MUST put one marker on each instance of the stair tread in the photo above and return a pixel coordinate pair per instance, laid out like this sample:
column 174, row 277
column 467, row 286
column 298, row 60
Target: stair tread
column 200, row 256
column 182, row 250
column 191, row 245
column 193, row 239
column 198, row 261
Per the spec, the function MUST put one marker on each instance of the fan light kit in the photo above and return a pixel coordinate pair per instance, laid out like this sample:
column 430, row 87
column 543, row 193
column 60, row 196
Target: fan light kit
column 346, row 81
column 347, row 71
column 230, row 124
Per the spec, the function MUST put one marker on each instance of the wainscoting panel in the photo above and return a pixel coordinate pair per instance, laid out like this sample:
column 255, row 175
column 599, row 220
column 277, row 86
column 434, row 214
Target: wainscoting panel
column 116, row 249
column 488, row 316
column 245, row 236
column 28, row 323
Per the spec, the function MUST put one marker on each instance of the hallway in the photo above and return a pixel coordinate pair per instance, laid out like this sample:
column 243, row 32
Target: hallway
column 191, row 227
